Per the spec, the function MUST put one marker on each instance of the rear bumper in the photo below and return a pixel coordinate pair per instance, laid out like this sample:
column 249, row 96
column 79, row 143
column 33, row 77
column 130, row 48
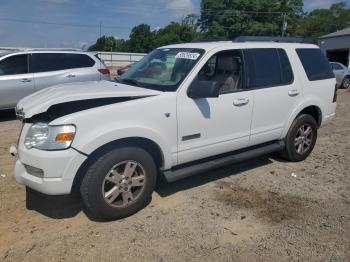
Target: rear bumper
column 326, row 119
column 331, row 115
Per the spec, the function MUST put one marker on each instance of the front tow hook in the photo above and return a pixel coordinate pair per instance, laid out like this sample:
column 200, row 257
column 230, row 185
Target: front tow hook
column 13, row 151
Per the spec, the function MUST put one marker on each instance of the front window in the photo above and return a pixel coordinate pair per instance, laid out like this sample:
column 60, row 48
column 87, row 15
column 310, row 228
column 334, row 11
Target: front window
column 163, row 69
column 224, row 68
column 14, row 65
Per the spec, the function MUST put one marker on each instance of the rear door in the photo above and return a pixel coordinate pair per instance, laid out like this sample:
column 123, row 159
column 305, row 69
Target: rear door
column 15, row 80
column 275, row 92
column 57, row 68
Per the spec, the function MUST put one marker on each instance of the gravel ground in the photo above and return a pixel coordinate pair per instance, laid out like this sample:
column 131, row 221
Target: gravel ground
column 259, row 210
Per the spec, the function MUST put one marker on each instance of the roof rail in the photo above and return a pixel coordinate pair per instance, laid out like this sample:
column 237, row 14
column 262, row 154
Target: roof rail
column 19, row 49
column 270, row 39
column 50, row 49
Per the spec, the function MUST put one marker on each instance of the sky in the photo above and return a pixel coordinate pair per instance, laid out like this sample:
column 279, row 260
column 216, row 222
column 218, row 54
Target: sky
column 76, row 23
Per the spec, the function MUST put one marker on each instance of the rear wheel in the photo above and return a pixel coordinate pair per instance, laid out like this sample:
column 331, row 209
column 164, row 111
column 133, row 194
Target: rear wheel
column 300, row 139
column 119, row 183
column 346, row 82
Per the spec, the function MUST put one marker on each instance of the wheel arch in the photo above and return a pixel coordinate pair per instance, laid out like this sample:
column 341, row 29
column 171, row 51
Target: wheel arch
column 311, row 108
column 314, row 111
column 147, row 144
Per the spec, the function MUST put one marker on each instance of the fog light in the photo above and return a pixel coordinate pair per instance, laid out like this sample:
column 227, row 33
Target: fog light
column 34, row 171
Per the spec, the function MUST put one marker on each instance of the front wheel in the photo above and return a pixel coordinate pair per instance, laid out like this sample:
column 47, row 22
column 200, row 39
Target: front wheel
column 300, row 139
column 119, row 183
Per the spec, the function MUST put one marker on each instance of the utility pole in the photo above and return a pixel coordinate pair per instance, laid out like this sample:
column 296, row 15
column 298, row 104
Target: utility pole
column 285, row 24
column 100, row 29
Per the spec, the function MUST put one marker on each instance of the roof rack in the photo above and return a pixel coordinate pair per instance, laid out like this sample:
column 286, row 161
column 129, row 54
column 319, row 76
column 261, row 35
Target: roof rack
column 51, row 49
column 209, row 39
column 269, row 39
column 17, row 49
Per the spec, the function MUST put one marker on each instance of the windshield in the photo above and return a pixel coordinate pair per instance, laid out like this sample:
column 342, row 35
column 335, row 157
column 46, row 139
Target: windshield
column 163, row 69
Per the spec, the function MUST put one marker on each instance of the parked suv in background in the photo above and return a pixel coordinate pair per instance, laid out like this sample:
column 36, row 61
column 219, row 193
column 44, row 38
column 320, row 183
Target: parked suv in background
column 25, row 72
column 181, row 110
column 342, row 74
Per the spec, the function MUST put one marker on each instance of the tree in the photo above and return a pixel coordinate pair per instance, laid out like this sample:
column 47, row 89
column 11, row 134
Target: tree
column 104, row 43
column 176, row 33
column 141, row 39
column 191, row 20
column 324, row 21
column 231, row 18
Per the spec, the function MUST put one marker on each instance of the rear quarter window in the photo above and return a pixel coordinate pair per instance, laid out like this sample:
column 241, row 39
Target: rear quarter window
column 315, row 64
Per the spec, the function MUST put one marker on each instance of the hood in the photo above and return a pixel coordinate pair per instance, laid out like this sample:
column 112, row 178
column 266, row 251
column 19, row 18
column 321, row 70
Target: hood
column 41, row 101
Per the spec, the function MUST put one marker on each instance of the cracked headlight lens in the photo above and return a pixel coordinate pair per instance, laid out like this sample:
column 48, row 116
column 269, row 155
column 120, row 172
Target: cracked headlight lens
column 45, row 137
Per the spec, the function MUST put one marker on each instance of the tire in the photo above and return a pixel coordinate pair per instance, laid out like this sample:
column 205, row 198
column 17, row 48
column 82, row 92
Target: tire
column 298, row 145
column 119, row 174
column 346, row 82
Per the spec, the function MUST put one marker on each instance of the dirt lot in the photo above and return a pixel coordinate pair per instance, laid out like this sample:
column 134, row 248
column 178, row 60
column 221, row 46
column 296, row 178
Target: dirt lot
column 260, row 210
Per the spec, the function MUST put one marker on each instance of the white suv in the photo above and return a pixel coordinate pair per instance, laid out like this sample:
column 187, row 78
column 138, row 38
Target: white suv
column 181, row 110
column 27, row 71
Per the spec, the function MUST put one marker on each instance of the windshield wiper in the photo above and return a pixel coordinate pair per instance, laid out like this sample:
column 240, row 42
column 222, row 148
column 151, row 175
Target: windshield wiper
column 130, row 81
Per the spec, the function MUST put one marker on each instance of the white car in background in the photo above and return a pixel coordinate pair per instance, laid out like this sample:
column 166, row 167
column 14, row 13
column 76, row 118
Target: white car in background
column 25, row 72
column 342, row 74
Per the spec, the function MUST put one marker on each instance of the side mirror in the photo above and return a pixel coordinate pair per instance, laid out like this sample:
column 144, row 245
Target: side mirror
column 203, row 89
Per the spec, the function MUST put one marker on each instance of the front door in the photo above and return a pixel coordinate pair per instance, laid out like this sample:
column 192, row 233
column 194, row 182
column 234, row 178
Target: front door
column 211, row 126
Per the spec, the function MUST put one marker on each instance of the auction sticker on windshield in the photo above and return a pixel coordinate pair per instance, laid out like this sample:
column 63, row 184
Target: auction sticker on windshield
column 187, row 55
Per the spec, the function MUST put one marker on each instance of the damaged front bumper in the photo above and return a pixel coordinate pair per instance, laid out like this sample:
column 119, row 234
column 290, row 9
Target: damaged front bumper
column 49, row 172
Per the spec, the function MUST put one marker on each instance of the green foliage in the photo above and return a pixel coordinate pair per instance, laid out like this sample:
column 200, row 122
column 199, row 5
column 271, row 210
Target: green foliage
column 231, row 18
column 105, row 43
column 227, row 19
column 143, row 39
column 324, row 21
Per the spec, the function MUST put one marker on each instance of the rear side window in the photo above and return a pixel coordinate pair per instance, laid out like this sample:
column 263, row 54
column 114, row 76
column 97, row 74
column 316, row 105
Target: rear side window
column 315, row 64
column 14, row 65
column 268, row 67
column 45, row 62
column 287, row 76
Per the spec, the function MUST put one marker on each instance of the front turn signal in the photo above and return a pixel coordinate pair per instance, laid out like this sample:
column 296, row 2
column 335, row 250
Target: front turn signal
column 64, row 137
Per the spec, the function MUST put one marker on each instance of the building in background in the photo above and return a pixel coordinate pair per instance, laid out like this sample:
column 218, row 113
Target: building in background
column 337, row 46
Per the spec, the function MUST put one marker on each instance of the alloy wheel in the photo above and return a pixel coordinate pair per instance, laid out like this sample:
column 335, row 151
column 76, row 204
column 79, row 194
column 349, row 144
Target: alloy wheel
column 124, row 184
column 303, row 139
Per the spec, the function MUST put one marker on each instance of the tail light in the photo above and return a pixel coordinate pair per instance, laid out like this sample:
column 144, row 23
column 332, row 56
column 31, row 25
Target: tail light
column 104, row 71
column 335, row 93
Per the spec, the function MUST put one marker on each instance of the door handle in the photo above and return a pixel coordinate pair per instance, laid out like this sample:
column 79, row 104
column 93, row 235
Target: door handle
column 26, row 80
column 293, row 92
column 70, row 76
column 240, row 101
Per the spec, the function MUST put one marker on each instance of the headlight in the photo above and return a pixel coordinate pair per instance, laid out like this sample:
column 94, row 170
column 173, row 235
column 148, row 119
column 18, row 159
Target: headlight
column 45, row 137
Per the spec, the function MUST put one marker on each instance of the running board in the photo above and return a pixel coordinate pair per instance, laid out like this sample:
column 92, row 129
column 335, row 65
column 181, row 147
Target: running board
column 180, row 173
